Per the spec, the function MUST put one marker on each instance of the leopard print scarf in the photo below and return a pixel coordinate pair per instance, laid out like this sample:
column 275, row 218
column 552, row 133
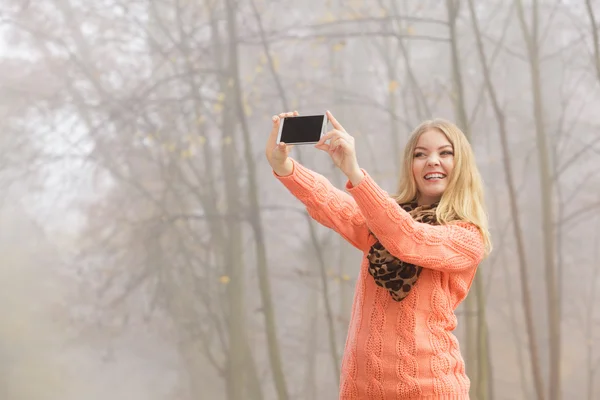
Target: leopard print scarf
column 391, row 273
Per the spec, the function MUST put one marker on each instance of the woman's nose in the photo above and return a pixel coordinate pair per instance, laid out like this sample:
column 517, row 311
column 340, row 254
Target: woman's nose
column 432, row 161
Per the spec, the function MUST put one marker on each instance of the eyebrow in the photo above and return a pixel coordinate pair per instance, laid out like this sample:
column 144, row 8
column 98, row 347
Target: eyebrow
column 439, row 148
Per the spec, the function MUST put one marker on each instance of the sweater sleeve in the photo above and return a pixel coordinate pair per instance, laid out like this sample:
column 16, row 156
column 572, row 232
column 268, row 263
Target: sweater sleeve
column 327, row 205
column 457, row 246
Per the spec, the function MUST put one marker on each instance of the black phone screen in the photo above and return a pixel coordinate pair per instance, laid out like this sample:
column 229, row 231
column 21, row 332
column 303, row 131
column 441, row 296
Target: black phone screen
column 302, row 129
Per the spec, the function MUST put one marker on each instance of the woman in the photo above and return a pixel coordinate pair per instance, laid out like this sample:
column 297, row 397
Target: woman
column 421, row 250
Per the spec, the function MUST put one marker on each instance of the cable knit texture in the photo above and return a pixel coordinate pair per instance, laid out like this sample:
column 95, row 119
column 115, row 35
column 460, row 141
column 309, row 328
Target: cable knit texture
column 397, row 350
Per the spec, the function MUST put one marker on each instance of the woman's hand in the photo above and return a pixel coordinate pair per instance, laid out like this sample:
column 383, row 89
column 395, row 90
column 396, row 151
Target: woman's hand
column 341, row 150
column 278, row 154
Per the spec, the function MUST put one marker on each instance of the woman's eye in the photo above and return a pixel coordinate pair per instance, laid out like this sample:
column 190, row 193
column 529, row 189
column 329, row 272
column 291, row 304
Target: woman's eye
column 419, row 154
column 447, row 152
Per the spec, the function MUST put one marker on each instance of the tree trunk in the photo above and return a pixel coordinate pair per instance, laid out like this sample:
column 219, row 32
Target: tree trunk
column 545, row 176
column 311, row 228
column 596, row 40
column 476, row 332
column 253, row 213
column 514, row 210
column 219, row 242
column 234, row 263
column 458, row 90
column 312, row 329
column 232, row 253
column 589, row 334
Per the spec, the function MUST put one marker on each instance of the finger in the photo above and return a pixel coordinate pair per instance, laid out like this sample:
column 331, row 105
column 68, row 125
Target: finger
column 324, row 147
column 275, row 120
column 338, row 144
column 334, row 121
column 333, row 144
column 275, row 130
column 329, row 135
column 289, row 114
column 342, row 145
column 337, row 141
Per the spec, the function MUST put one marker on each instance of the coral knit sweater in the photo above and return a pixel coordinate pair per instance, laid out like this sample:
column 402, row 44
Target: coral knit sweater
column 397, row 350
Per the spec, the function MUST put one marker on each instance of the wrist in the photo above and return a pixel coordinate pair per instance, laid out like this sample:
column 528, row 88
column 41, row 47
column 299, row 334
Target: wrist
column 355, row 176
column 285, row 168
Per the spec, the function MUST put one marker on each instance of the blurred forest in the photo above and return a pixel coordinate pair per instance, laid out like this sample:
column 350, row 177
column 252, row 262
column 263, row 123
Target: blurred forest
column 147, row 252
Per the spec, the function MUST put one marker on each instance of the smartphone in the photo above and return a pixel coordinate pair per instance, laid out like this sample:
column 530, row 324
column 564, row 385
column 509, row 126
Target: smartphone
column 304, row 129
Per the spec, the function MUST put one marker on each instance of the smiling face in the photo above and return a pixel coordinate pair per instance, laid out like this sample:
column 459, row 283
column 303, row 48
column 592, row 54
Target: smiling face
column 432, row 165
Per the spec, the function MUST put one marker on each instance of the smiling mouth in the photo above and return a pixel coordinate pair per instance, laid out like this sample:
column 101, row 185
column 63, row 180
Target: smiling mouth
column 434, row 176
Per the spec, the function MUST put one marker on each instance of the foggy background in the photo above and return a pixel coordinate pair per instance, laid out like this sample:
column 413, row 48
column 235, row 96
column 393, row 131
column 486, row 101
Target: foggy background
column 148, row 253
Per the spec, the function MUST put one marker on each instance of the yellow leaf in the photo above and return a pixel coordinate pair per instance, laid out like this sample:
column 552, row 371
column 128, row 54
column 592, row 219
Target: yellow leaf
column 221, row 97
column 230, row 83
column 187, row 153
column 275, row 60
column 200, row 120
column 345, row 277
column 201, row 140
column 227, row 140
column 392, row 86
column 218, row 107
column 171, row 147
column 330, row 272
column 247, row 110
column 224, row 279
column 329, row 17
column 258, row 69
column 410, row 30
column 339, row 46
column 263, row 59
column 337, row 279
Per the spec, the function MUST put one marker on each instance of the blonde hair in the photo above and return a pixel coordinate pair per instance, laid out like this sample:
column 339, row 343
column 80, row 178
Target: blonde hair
column 463, row 198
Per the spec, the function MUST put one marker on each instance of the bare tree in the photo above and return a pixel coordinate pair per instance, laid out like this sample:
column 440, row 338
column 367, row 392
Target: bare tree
column 512, row 193
column 531, row 37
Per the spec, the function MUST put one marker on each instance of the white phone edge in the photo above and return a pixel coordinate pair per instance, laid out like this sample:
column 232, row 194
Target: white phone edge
column 323, row 129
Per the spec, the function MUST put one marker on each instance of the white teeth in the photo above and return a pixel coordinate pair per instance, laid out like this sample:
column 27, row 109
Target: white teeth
column 432, row 176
